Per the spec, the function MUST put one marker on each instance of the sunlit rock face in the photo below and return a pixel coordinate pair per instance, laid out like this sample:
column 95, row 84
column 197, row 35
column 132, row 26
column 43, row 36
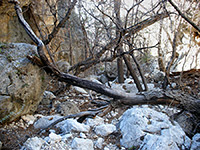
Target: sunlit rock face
column 39, row 16
column 12, row 31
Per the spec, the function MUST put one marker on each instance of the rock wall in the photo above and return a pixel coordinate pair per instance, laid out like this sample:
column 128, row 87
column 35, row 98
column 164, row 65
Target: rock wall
column 38, row 14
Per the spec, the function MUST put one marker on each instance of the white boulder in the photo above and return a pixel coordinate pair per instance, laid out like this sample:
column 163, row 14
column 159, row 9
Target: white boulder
column 148, row 129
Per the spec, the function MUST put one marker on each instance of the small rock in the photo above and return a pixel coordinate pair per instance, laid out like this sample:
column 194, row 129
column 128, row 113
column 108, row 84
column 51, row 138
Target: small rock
column 45, row 121
column 72, row 125
column 66, row 136
column 80, row 90
column 34, row 143
column 94, row 122
column 103, row 79
column 29, row 119
column 54, row 137
column 67, row 108
column 99, row 143
column 47, row 97
column 82, row 144
column 105, row 129
column 82, row 135
column 195, row 142
column 173, row 85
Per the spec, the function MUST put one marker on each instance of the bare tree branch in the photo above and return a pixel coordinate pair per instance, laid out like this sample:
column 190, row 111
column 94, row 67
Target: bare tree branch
column 126, row 33
column 60, row 24
column 183, row 16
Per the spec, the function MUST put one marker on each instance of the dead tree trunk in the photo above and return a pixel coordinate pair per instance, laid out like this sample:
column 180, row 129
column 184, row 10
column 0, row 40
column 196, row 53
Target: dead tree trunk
column 152, row 97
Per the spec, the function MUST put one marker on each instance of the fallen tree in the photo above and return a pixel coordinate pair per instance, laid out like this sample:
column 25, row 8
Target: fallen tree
column 177, row 98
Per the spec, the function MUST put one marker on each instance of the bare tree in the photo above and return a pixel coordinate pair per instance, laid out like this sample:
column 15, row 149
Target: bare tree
column 173, row 97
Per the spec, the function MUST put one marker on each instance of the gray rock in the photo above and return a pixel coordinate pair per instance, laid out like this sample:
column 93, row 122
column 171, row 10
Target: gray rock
column 54, row 137
column 63, row 65
column 45, row 121
column 82, row 144
column 94, row 122
column 158, row 75
column 99, row 143
column 22, row 83
column 147, row 129
column 70, row 125
column 34, row 143
column 103, row 79
column 47, row 97
column 195, row 142
column 67, row 108
column 105, row 129
column 79, row 90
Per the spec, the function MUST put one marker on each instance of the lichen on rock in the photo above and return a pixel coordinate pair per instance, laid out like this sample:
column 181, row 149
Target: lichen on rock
column 22, row 83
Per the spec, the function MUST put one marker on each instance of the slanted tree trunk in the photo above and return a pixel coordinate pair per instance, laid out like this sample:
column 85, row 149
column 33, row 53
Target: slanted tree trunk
column 152, row 97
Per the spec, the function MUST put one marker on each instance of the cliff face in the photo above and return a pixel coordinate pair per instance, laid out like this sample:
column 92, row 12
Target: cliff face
column 39, row 16
column 11, row 30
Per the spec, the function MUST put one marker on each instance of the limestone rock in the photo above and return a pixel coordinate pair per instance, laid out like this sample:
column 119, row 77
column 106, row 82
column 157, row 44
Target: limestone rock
column 99, row 143
column 82, row 144
column 22, row 83
column 45, row 121
column 94, row 122
column 70, row 125
column 80, row 90
column 105, row 129
column 147, row 129
column 54, row 137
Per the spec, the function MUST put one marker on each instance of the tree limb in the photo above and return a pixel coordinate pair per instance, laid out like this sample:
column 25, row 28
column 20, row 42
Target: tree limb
column 60, row 24
column 183, row 16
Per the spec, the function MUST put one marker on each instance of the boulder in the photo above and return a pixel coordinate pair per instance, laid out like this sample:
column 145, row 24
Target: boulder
column 22, row 83
column 147, row 129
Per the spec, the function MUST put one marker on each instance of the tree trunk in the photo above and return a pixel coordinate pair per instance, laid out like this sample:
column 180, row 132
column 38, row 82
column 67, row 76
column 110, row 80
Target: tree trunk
column 120, row 67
